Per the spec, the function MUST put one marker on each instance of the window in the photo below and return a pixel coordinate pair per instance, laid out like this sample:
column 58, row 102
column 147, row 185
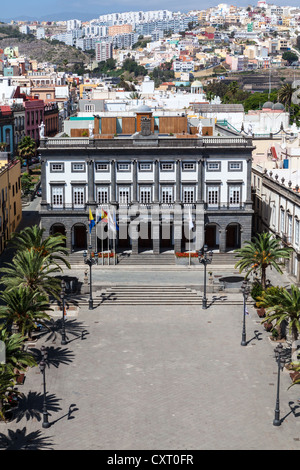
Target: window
column 123, row 167
column 213, row 166
column 124, row 195
column 282, row 220
column 167, row 195
column 78, row 197
column 297, row 232
column 188, row 166
column 102, row 195
column 145, row 166
column 213, row 195
column 289, row 228
column 78, row 167
column 57, row 196
column 234, row 166
column 188, row 195
column 89, row 108
column 234, row 195
column 101, row 166
column 145, row 195
column 166, row 166
column 57, row 167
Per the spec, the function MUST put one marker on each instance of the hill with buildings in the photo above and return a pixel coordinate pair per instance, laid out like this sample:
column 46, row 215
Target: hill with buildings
column 42, row 50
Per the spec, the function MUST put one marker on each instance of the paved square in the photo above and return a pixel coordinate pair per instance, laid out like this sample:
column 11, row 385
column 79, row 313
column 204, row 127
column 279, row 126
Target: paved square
column 171, row 377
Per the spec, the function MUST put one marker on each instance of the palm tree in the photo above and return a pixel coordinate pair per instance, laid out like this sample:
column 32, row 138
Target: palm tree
column 27, row 149
column 29, row 269
column 24, row 308
column 52, row 248
column 15, row 355
column 285, row 94
column 233, row 88
column 260, row 253
column 283, row 306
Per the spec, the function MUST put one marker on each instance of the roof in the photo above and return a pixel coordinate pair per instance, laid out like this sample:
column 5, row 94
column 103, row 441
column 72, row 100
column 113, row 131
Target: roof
column 268, row 105
column 196, row 83
column 143, row 109
column 221, row 108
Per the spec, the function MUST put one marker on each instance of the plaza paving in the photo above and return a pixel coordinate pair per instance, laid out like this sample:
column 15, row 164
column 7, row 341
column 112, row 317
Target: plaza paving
column 149, row 378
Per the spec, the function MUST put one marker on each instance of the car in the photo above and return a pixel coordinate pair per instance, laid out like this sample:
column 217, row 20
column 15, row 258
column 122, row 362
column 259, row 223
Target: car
column 39, row 192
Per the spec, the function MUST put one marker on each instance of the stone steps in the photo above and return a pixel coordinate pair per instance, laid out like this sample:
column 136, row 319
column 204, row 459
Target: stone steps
column 157, row 295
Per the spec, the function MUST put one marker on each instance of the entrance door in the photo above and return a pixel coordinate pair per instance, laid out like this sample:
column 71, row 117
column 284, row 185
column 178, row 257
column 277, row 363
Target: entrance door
column 145, row 239
column 79, row 237
column 166, row 235
column 232, row 236
column 210, row 236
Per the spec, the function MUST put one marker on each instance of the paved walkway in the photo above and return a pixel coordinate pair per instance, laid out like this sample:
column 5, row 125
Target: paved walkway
column 145, row 378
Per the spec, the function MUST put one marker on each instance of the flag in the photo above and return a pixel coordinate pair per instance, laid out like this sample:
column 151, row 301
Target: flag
column 102, row 216
column 191, row 224
column 91, row 221
column 111, row 223
column 115, row 221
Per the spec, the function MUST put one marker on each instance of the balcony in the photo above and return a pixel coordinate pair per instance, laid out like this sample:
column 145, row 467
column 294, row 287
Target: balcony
column 66, row 207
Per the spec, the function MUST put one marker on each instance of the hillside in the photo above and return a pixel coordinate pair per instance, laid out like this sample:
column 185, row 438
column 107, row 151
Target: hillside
column 40, row 49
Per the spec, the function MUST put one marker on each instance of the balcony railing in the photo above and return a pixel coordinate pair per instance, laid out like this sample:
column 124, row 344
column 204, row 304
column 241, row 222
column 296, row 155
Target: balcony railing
column 224, row 206
column 66, row 207
column 129, row 142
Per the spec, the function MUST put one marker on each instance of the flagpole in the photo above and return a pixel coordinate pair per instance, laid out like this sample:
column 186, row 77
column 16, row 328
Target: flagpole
column 102, row 233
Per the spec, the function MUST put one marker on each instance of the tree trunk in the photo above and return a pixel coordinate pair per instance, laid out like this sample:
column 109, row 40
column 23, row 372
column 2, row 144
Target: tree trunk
column 263, row 277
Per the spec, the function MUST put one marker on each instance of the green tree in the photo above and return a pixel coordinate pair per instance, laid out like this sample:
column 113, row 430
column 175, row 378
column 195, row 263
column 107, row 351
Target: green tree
column 15, row 355
column 260, row 253
column 281, row 306
column 285, row 94
column 7, row 384
column 27, row 149
column 290, row 56
column 31, row 270
column 23, row 307
column 52, row 248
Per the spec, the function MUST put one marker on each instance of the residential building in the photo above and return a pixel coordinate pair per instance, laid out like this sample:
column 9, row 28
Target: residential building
column 10, row 198
column 103, row 51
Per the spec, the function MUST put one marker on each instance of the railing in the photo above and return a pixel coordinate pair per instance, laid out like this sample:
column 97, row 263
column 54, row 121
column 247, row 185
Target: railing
column 162, row 142
column 67, row 207
column 224, row 206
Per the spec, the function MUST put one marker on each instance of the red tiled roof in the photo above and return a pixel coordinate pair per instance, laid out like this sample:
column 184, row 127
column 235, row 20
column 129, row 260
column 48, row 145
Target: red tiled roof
column 5, row 109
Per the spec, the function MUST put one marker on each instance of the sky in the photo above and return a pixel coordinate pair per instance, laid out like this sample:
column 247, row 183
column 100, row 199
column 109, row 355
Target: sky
column 38, row 9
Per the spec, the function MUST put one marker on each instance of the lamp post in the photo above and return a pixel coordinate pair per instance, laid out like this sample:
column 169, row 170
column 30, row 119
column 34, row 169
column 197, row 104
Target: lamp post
column 63, row 327
column 280, row 362
column 42, row 366
column 205, row 258
column 89, row 260
column 246, row 291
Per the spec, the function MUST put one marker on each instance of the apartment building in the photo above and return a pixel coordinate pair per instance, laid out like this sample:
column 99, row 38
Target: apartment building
column 103, row 51
column 119, row 29
column 176, row 192
column 10, row 198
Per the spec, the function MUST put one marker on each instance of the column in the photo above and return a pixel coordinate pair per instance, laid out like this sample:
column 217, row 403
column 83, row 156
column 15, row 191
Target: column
column 91, row 183
column 156, row 181
column 200, row 181
column 155, row 229
column 43, row 182
column 177, row 228
column 113, row 182
column 178, row 181
column 134, row 181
